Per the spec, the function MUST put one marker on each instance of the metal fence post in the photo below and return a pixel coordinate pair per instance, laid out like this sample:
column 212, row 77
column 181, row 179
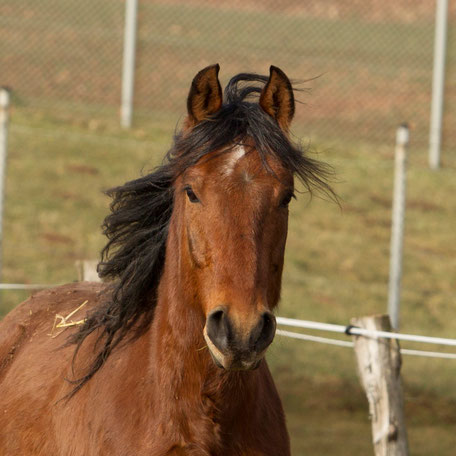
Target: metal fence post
column 438, row 83
column 397, row 227
column 4, row 114
column 128, row 71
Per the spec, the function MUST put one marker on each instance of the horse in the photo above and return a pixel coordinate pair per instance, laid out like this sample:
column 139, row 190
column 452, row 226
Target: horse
column 166, row 357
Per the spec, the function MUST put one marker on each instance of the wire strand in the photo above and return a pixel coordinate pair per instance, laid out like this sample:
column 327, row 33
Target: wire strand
column 356, row 331
column 342, row 343
column 22, row 286
column 350, row 330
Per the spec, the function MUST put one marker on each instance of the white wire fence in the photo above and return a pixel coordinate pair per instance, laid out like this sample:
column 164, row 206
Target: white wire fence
column 343, row 343
column 355, row 331
column 25, row 286
column 348, row 330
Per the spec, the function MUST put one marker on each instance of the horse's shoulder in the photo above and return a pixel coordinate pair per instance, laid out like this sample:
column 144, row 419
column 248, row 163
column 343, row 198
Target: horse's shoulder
column 65, row 298
column 43, row 311
column 58, row 300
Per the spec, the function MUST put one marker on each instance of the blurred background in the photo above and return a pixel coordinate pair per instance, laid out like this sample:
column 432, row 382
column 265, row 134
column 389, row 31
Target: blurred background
column 366, row 66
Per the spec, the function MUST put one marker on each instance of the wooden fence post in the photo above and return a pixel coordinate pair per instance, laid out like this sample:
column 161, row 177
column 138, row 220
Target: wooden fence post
column 379, row 365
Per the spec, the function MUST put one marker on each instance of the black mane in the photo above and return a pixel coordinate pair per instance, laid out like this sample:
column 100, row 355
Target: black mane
column 137, row 226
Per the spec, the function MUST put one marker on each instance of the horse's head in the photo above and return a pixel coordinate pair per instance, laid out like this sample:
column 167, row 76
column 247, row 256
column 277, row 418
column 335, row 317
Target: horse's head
column 208, row 227
column 233, row 216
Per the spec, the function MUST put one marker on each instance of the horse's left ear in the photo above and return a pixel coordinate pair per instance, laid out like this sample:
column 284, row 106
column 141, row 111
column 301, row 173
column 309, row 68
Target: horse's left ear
column 277, row 98
column 205, row 97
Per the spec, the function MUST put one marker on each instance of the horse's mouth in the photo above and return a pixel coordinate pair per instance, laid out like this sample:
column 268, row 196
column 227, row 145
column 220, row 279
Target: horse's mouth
column 236, row 364
column 235, row 361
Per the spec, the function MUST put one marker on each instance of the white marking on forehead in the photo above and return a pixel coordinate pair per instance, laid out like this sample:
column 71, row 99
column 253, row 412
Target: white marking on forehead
column 233, row 157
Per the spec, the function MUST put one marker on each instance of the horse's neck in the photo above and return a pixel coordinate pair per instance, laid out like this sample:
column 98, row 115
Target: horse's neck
column 182, row 366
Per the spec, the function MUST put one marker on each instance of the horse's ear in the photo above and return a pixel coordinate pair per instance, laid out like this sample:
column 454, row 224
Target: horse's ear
column 205, row 97
column 277, row 98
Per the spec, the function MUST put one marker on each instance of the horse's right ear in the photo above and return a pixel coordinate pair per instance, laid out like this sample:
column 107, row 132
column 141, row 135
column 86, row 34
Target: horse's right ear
column 277, row 98
column 205, row 97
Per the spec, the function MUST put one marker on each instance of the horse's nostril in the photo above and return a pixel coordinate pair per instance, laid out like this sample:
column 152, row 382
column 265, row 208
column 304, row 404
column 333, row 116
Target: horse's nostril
column 265, row 333
column 218, row 328
column 268, row 321
column 217, row 316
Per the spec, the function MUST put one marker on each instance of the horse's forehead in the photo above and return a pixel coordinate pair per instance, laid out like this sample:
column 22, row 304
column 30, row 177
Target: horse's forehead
column 241, row 164
column 232, row 159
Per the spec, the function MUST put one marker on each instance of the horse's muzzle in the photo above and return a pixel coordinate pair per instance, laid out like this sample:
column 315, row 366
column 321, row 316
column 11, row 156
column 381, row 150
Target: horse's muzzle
column 239, row 348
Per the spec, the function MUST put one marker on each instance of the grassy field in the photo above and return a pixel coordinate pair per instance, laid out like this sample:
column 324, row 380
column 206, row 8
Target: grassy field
column 336, row 264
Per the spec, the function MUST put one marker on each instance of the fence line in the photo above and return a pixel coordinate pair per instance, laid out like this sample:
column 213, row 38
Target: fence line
column 355, row 331
column 23, row 286
column 306, row 324
column 318, row 339
column 168, row 48
column 343, row 343
column 348, row 330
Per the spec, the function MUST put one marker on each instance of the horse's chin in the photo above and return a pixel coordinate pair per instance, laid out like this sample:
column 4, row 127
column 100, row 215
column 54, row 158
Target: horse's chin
column 244, row 366
column 233, row 365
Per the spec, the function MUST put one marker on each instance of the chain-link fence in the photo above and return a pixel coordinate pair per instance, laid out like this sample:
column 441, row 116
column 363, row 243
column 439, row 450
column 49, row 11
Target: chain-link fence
column 62, row 55
column 371, row 60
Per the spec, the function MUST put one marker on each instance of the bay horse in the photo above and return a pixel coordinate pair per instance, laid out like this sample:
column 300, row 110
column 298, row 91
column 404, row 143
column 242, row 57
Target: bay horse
column 168, row 358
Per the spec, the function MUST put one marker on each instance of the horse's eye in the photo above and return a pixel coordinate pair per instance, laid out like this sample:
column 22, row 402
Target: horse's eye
column 286, row 200
column 191, row 195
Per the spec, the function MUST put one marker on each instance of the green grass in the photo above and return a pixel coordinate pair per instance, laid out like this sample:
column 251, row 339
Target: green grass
column 336, row 263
